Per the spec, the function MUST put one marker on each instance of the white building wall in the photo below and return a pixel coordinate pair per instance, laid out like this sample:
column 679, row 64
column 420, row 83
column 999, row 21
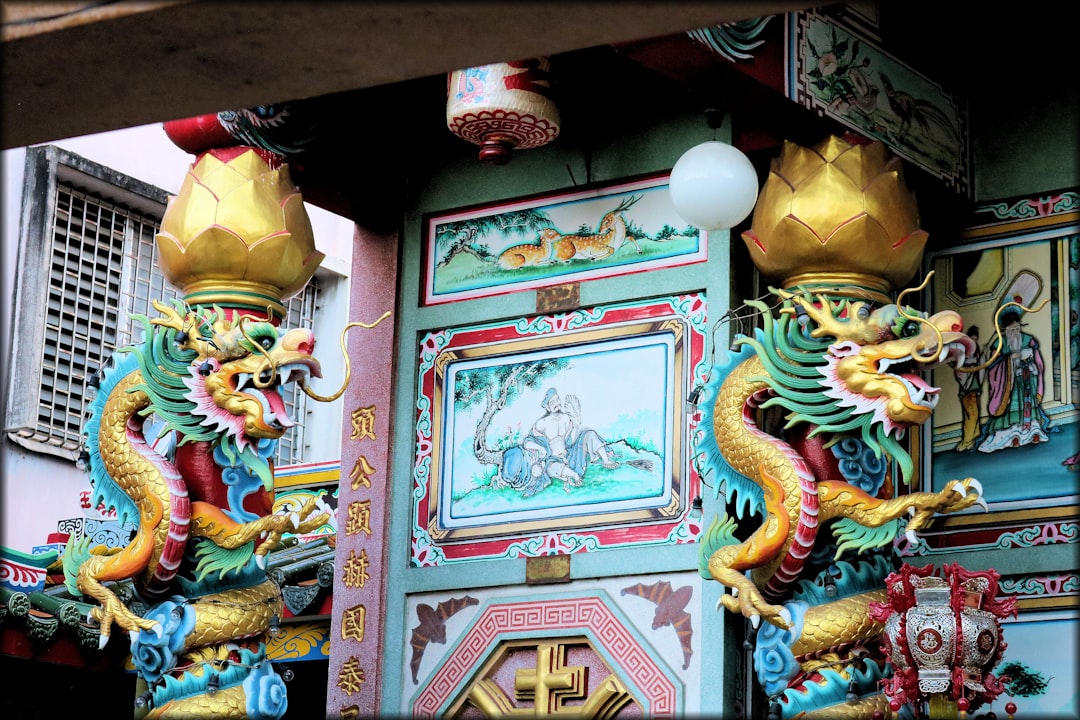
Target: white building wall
column 38, row 490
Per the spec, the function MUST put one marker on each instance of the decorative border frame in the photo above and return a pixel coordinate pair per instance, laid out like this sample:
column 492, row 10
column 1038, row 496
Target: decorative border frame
column 611, row 634
column 483, row 234
column 851, row 90
column 1003, row 225
column 657, row 519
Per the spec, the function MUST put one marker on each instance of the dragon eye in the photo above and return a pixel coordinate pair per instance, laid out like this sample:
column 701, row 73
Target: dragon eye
column 863, row 312
column 910, row 329
column 266, row 342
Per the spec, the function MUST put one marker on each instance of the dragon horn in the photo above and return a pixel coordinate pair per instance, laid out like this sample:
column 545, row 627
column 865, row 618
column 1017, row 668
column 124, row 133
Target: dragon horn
column 826, row 322
column 172, row 318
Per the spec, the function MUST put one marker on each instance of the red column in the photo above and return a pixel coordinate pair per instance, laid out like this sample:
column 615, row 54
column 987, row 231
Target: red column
column 355, row 669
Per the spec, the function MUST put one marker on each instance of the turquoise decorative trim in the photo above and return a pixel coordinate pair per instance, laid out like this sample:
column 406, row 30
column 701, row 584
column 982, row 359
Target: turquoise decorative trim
column 1044, row 206
column 1032, row 536
column 1041, row 585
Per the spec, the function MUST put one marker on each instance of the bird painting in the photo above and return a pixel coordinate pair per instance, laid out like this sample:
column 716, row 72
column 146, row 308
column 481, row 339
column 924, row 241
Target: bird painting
column 432, row 627
column 670, row 610
column 910, row 109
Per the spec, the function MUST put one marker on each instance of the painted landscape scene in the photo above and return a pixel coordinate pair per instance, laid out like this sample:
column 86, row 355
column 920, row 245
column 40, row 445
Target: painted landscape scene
column 533, row 245
column 578, row 431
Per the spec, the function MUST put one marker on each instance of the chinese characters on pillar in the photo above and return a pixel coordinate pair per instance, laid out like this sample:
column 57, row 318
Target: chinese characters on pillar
column 355, row 573
column 351, row 676
column 352, row 623
column 355, row 567
column 363, row 423
column 359, row 518
column 361, row 473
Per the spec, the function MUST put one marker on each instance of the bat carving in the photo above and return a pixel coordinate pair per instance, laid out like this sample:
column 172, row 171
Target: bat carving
column 432, row 627
column 670, row 610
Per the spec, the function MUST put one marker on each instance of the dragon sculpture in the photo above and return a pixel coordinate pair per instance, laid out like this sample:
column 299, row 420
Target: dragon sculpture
column 808, row 419
column 180, row 439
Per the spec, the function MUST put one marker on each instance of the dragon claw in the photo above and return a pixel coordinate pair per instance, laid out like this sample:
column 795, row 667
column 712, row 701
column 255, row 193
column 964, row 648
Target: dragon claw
column 260, row 560
column 912, row 537
column 735, row 592
column 960, row 489
column 981, row 502
column 755, row 620
column 785, row 616
column 103, row 641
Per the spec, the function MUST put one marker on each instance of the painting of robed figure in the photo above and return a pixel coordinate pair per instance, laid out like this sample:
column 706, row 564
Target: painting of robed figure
column 1014, row 405
column 569, row 424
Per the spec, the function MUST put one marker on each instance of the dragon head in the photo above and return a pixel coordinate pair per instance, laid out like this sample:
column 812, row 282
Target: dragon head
column 877, row 354
column 236, row 368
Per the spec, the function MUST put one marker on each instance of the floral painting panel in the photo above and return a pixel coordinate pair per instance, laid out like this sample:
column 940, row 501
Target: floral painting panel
column 845, row 77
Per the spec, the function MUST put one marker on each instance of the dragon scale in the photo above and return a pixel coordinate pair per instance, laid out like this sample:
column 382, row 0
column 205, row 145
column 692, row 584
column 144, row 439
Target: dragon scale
column 200, row 501
column 152, row 482
column 804, row 417
column 754, row 451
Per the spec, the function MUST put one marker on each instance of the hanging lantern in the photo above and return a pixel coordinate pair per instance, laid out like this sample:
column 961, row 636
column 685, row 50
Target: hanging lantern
column 503, row 107
column 943, row 637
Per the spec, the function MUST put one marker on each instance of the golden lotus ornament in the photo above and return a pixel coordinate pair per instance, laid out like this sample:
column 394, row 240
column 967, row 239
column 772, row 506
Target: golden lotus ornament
column 836, row 215
column 238, row 234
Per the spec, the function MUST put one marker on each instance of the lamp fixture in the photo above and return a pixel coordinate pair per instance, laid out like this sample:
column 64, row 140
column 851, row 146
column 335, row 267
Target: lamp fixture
column 713, row 186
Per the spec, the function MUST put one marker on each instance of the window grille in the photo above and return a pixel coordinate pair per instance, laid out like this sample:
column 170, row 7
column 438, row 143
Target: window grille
column 98, row 262
column 98, row 248
column 299, row 313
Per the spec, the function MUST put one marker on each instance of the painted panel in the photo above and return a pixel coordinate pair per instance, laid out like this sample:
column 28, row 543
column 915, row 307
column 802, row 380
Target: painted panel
column 1041, row 660
column 1015, row 413
column 837, row 73
column 555, row 239
column 538, row 435
column 300, row 642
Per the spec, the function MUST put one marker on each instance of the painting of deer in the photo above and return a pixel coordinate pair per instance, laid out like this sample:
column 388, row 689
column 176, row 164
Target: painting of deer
column 530, row 254
column 556, row 247
column 556, row 238
column 610, row 236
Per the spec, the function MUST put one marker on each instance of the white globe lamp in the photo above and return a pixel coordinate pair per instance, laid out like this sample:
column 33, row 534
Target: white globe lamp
column 713, row 186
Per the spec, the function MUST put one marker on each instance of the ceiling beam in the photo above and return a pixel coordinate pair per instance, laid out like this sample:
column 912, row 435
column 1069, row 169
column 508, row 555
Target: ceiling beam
column 138, row 63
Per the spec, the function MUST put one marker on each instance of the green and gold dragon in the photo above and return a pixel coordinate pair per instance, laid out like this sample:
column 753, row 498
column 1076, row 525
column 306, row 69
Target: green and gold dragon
column 806, row 417
column 179, row 439
column 805, row 426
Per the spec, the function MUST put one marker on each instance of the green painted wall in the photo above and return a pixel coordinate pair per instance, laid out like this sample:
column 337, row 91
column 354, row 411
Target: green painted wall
column 1028, row 143
column 595, row 149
